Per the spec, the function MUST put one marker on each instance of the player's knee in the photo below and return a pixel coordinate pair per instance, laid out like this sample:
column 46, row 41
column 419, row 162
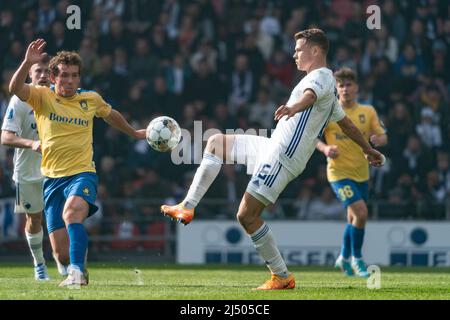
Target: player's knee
column 74, row 214
column 360, row 211
column 215, row 144
column 246, row 220
column 242, row 219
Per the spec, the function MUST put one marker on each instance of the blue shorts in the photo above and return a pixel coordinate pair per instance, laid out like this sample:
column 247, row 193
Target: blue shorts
column 58, row 190
column 350, row 191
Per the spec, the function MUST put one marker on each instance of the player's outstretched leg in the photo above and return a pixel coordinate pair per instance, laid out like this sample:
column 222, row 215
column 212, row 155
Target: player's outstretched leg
column 34, row 235
column 204, row 177
column 249, row 217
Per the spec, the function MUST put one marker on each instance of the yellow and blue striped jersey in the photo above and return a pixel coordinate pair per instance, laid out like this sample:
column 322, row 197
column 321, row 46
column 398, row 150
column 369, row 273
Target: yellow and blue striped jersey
column 351, row 163
column 65, row 127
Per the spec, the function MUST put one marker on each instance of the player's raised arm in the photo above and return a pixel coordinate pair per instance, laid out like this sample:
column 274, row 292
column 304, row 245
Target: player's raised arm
column 35, row 53
column 307, row 99
column 116, row 120
column 374, row 157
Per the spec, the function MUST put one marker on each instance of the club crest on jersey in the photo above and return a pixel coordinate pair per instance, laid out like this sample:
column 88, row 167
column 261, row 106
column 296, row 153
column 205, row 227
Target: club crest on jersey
column 86, row 191
column 84, row 105
column 362, row 118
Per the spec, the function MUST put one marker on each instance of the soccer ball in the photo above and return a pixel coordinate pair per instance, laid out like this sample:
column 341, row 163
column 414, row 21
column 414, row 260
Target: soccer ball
column 163, row 134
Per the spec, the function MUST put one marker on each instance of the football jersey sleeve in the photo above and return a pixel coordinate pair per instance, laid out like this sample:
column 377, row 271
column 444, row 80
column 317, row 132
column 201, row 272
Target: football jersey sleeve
column 13, row 117
column 103, row 109
column 318, row 82
column 338, row 113
column 36, row 96
column 376, row 126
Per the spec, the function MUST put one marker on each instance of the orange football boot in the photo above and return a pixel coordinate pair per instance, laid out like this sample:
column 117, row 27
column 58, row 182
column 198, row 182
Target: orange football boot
column 278, row 283
column 179, row 213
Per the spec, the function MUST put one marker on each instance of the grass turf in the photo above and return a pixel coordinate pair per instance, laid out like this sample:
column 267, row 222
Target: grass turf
column 113, row 281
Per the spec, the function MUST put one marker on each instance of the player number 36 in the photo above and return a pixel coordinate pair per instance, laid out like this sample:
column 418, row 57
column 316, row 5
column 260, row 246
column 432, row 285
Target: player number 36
column 345, row 192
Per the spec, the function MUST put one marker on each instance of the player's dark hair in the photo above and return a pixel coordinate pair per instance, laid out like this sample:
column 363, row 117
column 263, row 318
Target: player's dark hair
column 70, row 58
column 315, row 37
column 344, row 74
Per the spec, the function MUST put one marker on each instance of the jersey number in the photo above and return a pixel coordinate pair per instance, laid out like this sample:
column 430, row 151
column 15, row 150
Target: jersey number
column 346, row 192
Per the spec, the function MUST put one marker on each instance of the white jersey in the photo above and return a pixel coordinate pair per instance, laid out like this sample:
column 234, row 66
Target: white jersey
column 295, row 139
column 19, row 118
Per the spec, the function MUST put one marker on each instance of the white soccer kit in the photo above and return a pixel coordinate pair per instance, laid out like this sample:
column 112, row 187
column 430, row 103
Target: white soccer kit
column 278, row 160
column 19, row 118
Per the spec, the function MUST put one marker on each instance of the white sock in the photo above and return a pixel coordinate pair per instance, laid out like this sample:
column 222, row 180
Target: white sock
column 204, row 176
column 265, row 245
column 35, row 245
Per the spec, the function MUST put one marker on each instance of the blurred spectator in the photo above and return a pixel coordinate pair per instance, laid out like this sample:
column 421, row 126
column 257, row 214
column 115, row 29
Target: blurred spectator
column 242, row 84
column 143, row 65
column 91, row 61
column 162, row 100
column 177, row 75
column 108, row 82
column 125, row 233
column 281, row 68
column 162, row 46
column 14, row 56
column 326, row 207
column 46, row 14
column 254, row 35
column 116, row 37
column 443, row 170
column 387, row 45
column 262, row 111
column 302, row 202
column 343, row 58
column 435, row 190
column 428, row 131
column 229, row 64
column 416, row 159
column 395, row 21
column 410, row 64
column 433, row 98
column 204, row 85
column 205, row 53
column 400, row 127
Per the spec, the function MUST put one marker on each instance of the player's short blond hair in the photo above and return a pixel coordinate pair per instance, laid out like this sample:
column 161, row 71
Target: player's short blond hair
column 70, row 58
column 344, row 74
column 316, row 37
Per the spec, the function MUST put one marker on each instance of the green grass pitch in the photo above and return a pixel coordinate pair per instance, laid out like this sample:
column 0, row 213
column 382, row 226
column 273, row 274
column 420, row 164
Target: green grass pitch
column 119, row 281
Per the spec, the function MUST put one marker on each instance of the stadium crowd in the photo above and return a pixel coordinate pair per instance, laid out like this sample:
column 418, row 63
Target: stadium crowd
column 229, row 65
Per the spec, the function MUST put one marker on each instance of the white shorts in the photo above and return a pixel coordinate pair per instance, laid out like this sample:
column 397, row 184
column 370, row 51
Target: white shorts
column 29, row 198
column 269, row 176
